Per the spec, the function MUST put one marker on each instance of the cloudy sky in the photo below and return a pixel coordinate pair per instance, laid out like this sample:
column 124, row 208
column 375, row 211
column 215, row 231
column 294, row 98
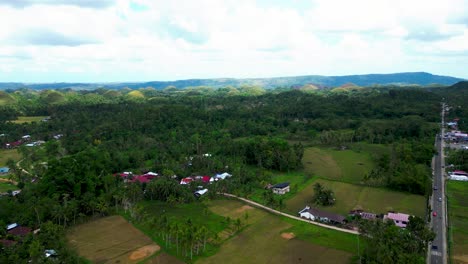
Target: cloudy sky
column 142, row 40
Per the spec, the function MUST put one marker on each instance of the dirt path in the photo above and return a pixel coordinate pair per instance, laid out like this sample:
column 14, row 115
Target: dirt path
column 290, row 216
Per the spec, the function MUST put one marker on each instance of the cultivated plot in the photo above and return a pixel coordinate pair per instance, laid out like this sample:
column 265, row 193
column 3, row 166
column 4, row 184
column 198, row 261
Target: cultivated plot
column 266, row 239
column 111, row 240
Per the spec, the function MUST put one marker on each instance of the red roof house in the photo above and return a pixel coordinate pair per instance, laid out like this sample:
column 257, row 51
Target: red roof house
column 19, row 231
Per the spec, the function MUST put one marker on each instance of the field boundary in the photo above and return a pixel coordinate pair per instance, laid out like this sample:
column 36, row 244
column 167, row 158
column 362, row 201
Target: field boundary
column 288, row 215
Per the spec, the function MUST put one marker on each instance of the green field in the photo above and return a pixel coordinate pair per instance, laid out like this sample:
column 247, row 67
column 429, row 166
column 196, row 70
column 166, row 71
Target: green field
column 6, row 186
column 198, row 213
column 6, row 154
column 271, row 239
column 348, row 196
column 341, row 165
column 457, row 192
column 28, row 119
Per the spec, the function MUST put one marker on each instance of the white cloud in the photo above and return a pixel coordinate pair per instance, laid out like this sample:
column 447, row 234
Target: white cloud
column 139, row 40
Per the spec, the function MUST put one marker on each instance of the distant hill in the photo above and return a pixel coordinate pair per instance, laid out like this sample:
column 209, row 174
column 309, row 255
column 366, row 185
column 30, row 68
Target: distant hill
column 406, row 78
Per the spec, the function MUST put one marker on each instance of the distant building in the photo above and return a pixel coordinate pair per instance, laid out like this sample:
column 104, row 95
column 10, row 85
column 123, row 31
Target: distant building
column 400, row 220
column 280, row 188
column 4, row 170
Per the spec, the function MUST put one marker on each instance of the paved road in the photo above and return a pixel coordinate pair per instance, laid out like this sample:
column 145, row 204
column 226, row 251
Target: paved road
column 438, row 253
column 288, row 215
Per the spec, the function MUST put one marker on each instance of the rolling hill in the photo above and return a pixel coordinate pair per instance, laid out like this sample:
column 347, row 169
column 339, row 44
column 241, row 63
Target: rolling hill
column 406, row 78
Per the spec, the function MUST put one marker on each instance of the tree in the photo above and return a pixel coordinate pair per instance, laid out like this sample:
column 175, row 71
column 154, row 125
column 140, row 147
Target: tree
column 323, row 196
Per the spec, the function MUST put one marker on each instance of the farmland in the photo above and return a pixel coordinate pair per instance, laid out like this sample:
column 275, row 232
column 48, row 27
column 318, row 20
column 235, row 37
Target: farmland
column 342, row 171
column 372, row 199
column 458, row 224
column 271, row 239
column 6, row 154
column 28, row 119
column 348, row 165
column 111, row 240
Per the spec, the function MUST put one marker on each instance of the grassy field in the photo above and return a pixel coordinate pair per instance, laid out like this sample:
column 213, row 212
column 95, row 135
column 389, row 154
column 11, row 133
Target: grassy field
column 6, row 154
column 111, row 240
column 28, row 119
column 348, row 196
column 457, row 193
column 340, row 165
column 6, row 186
column 198, row 213
column 271, row 239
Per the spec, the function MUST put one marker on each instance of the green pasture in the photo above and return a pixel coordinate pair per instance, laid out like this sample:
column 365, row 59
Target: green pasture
column 340, row 165
column 6, row 154
column 28, row 119
column 6, row 186
column 457, row 192
column 348, row 196
column 262, row 241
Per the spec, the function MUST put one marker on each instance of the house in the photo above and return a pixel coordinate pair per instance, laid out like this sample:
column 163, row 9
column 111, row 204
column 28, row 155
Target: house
column 17, row 230
column 368, row 216
column 13, row 144
column 458, row 177
column 7, row 242
column 362, row 214
column 460, row 172
column 223, row 176
column 186, row 180
column 400, row 220
column 16, row 192
column 200, row 193
column 26, row 137
column 317, row 215
column 4, row 170
column 50, row 253
column 280, row 188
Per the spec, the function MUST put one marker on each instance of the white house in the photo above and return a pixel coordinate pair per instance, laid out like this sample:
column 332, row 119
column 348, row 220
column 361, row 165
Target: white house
column 458, row 177
column 280, row 188
column 223, row 176
column 323, row 216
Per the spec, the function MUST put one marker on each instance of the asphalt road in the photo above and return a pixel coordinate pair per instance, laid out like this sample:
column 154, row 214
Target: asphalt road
column 438, row 249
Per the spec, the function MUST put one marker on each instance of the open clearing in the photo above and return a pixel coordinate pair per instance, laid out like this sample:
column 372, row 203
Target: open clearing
column 457, row 192
column 28, row 119
column 348, row 196
column 339, row 165
column 6, row 186
column 262, row 240
column 6, row 154
column 111, row 240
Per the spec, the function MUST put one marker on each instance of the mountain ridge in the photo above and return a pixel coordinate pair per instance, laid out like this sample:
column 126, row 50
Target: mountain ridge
column 402, row 78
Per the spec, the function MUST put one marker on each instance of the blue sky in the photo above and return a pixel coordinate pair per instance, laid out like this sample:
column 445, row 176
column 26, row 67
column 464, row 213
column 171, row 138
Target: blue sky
column 143, row 40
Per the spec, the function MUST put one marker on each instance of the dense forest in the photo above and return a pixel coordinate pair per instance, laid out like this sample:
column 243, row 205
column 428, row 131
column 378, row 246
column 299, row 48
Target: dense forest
column 247, row 132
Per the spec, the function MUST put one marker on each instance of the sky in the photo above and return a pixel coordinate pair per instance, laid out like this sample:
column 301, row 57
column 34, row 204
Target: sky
column 148, row 40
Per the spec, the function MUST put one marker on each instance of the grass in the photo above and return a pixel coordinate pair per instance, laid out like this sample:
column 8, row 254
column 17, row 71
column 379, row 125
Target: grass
column 348, row 196
column 199, row 215
column 261, row 240
column 6, row 186
column 197, row 212
column 342, row 165
column 28, row 119
column 297, row 181
column 457, row 192
column 6, row 154
column 110, row 239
